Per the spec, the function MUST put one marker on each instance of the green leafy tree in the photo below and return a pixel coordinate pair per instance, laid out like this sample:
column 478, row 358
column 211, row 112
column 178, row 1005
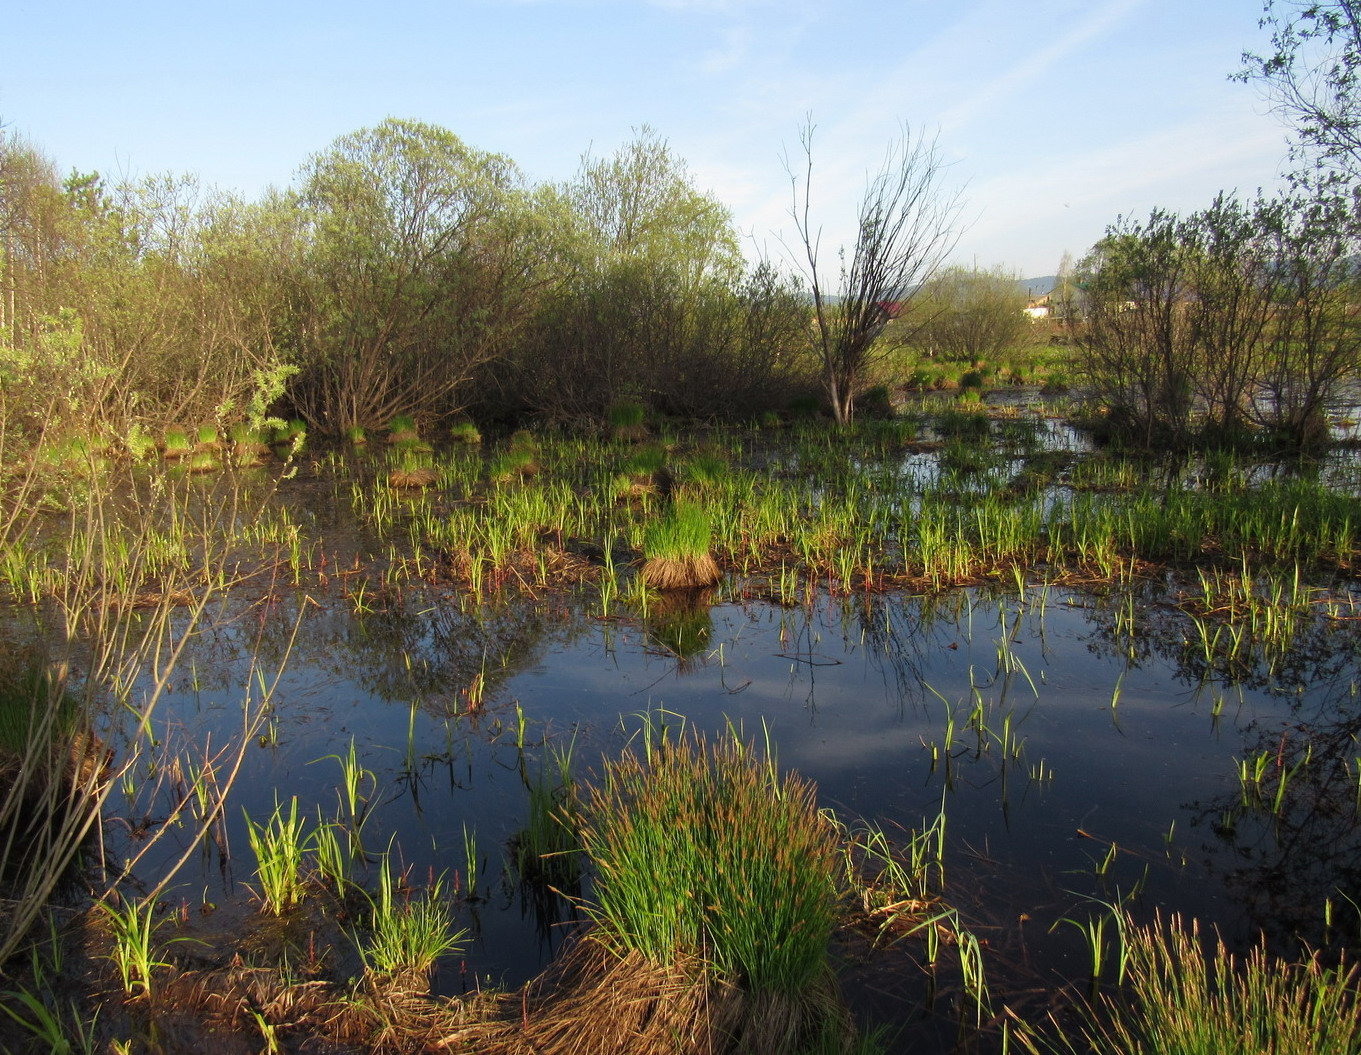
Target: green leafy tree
column 128, row 305
column 1239, row 316
column 411, row 275
column 650, row 302
column 1311, row 73
column 966, row 313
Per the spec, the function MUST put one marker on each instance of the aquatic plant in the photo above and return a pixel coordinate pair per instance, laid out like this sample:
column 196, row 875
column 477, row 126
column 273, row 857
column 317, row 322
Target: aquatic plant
column 402, row 429
column 1187, row 999
column 279, row 845
column 464, row 432
column 705, row 850
column 176, row 443
column 412, row 475
column 407, row 934
column 514, row 462
column 202, row 461
column 676, row 548
column 133, row 926
column 58, row 1030
column 626, row 420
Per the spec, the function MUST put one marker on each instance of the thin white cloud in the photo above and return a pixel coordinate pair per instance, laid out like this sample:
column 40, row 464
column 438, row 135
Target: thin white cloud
column 1033, row 67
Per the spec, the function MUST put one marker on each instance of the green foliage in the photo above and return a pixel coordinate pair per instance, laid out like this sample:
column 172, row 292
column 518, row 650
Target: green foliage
column 413, row 246
column 279, row 846
column 58, row 1030
column 133, row 926
column 685, row 533
column 626, row 415
column 1187, row 1000
column 1236, row 318
column 464, row 432
column 1310, row 73
column 969, row 314
column 407, row 931
column 35, row 713
column 706, row 851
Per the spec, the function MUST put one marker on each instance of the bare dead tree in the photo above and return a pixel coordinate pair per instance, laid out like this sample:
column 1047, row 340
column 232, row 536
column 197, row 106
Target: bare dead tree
column 907, row 225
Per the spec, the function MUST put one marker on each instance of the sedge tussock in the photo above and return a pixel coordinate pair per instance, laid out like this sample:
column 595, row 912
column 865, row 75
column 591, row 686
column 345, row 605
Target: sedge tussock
column 1189, row 996
column 704, row 851
column 677, row 550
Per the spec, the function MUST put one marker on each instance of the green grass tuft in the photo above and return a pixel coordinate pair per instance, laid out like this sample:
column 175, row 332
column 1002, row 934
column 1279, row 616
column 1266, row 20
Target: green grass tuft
column 705, row 851
column 1187, row 1000
column 408, row 932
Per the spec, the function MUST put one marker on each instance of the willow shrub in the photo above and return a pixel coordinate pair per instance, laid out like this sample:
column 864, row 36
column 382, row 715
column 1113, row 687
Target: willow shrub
column 706, row 851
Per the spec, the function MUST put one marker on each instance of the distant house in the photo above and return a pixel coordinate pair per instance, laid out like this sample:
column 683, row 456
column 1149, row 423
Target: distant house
column 1038, row 308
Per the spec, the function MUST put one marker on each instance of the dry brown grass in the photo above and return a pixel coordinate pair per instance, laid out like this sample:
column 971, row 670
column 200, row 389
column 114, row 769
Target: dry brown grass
column 421, row 476
column 591, row 1001
column 685, row 573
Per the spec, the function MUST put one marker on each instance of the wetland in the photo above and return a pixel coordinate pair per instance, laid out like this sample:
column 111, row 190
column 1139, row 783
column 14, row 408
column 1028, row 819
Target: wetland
column 1043, row 694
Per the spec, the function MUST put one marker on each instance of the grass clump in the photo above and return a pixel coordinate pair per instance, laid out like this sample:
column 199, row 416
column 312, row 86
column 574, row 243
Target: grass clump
column 279, row 846
column 464, row 432
column 411, row 474
column 677, row 549
column 177, row 443
column 627, row 421
column 402, row 429
column 1185, row 1000
column 408, row 932
column 705, row 851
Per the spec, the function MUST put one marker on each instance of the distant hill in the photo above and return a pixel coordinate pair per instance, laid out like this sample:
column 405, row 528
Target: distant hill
column 1038, row 287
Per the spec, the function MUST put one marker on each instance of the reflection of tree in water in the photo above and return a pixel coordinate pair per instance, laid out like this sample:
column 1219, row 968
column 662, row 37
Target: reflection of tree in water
column 1142, row 623
column 904, row 633
column 1284, row 864
column 419, row 645
column 1287, row 864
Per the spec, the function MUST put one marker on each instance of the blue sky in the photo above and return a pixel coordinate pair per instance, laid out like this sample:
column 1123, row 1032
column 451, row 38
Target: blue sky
column 1056, row 116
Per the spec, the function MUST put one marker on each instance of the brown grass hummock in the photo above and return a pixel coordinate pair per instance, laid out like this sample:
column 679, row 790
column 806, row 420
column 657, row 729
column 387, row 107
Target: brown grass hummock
column 413, row 476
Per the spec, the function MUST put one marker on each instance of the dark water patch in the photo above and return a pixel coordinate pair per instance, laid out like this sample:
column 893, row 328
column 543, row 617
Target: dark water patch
column 1081, row 760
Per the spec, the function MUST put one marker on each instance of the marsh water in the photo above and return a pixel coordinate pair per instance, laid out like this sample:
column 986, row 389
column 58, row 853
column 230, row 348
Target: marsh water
column 1082, row 742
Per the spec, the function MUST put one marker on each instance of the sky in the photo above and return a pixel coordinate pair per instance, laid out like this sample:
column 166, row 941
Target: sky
column 1051, row 118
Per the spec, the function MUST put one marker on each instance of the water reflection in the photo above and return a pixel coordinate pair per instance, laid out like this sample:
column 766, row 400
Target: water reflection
column 1084, row 745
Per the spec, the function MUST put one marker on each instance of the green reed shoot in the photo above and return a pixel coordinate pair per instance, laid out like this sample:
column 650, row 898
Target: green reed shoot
column 472, row 862
column 133, row 926
column 279, row 846
column 51, row 1027
column 408, row 932
column 332, row 856
column 1107, row 924
column 358, row 785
